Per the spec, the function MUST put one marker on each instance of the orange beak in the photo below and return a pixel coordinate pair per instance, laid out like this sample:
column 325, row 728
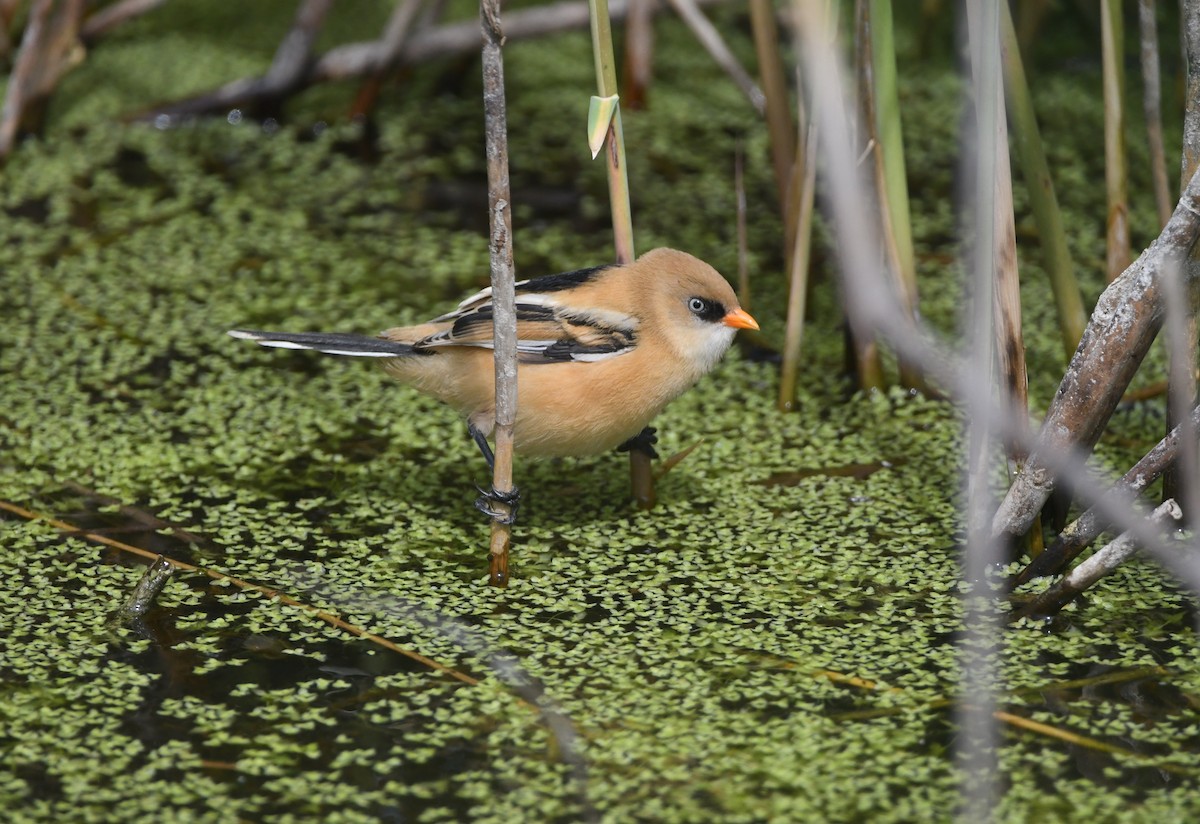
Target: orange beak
column 739, row 319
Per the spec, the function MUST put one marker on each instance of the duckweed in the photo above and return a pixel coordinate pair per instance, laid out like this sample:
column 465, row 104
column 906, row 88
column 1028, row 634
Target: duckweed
column 711, row 655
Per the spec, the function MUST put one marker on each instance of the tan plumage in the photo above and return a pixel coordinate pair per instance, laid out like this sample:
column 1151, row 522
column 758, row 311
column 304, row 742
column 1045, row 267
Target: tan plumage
column 602, row 351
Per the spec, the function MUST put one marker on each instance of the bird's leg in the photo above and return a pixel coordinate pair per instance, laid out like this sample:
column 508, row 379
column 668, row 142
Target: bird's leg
column 484, row 503
column 643, row 442
column 484, row 447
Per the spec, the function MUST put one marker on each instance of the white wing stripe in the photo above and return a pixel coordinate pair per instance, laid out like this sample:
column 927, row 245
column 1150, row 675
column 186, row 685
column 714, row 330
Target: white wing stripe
column 275, row 344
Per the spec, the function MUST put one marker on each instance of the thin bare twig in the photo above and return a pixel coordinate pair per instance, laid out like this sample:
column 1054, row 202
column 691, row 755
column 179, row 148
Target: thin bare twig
column 979, row 650
column 1115, row 175
column 402, row 24
column 365, row 58
column 1114, row 677
column 269, row 592
column 504, row 323
column 49, row 49
column 1026, row 141
column 109, row 17
column 1090, row 742
column 880, row 121
column 1087, row 527
column 1152, row 106
column 1181, row 323
column 1019, row 721
column 639, row 53
column 287, row 73
column 743, row 256
column 8, row 10
column 799, row 262
column 1006, row 286
column 1103, row 561
column 779, row 114
column 714, row 44
column 1191, row 116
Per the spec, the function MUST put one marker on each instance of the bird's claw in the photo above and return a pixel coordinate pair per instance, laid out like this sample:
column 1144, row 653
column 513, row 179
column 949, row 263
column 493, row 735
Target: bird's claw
column 642, row 442
column 484, row 503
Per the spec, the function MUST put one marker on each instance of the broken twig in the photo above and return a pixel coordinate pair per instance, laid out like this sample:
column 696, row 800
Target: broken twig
column 1103, row 562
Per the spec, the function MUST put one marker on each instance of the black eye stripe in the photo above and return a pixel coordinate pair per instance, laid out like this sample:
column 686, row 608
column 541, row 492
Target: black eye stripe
column 706, row 309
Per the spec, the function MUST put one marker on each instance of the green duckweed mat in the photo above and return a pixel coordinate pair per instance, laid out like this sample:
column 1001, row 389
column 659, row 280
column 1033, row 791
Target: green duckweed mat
column 774, row 641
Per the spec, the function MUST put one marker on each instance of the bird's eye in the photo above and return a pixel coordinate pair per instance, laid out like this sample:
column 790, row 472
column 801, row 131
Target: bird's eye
column 706, row 309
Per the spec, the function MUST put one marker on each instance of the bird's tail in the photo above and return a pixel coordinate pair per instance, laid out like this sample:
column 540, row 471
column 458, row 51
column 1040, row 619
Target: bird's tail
column 331, row 343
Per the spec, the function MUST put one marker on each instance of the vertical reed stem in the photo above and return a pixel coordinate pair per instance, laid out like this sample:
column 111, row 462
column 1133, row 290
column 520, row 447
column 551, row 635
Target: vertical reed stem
column 503, row 278
column 1182, row 376
column 641, row 478
column 1152, row 106
column 779, row 114
column 1112, row 30
column 1027, row 144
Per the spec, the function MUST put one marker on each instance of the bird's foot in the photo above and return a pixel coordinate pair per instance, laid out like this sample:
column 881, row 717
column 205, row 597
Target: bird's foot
column 487, row 500
column 642, row 442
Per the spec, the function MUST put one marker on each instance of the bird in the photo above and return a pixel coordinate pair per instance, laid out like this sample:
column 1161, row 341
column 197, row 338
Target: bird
column 601, row 351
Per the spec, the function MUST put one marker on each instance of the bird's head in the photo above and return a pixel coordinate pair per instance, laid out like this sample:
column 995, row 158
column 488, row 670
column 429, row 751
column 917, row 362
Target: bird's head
column 693, row 306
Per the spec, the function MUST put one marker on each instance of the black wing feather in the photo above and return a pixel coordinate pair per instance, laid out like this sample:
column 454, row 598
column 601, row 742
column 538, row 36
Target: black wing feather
column 331, row 343
column 561, row 281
